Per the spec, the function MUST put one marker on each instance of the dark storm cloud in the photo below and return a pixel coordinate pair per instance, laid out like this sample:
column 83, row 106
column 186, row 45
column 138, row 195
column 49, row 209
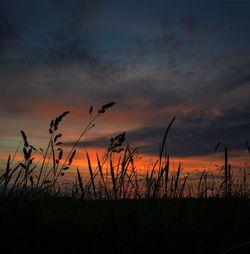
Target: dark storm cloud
column 223, row 81
column 66, row 39
column 231, row 129
column 62, row 38
column 65, row 49
column 146, row 62
column 73, row 40
column 172, row 37
column 192, row 137
column 129, row 94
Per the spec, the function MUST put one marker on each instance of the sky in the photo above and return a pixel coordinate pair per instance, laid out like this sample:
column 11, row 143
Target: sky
column 155, row 59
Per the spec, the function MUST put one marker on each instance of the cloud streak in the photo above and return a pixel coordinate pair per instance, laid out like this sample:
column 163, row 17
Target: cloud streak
column 195, row 135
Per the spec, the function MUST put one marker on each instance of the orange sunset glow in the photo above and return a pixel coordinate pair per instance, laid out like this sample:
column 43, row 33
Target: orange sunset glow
column 125, row 126
column 155, row 61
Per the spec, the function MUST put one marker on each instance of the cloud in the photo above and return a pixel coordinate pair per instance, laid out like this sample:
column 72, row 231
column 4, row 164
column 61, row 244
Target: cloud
column 225, row 83
column 65, row 37
column 174, row 38
column 59, row 55
column 195, row 135
column 144, row 92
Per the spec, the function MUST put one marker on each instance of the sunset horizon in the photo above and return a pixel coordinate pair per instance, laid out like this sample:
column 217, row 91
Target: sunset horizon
column 155, row 60
column 124, row 126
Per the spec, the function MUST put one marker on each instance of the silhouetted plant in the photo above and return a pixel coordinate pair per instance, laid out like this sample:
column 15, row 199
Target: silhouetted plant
column 116, row 176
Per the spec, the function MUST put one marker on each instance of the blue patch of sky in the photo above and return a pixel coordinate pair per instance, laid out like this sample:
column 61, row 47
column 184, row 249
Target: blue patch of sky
column 223, row 27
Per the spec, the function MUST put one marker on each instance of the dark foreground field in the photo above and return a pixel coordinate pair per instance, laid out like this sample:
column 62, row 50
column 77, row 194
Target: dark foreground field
column 136, row 226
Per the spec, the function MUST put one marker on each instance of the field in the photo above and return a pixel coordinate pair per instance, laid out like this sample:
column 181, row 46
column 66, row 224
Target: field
column 115, row 209
column 65, row 225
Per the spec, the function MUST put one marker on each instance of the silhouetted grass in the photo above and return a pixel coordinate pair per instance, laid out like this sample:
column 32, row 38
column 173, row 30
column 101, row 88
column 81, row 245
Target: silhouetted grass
column 122, row 180
column 118, row 208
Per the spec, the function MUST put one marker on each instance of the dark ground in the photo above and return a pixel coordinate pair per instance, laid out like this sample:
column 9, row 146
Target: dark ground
column 64, row 225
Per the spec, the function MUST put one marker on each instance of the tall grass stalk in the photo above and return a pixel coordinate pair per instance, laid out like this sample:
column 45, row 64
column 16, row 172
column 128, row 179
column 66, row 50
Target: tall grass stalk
column 116, row 175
